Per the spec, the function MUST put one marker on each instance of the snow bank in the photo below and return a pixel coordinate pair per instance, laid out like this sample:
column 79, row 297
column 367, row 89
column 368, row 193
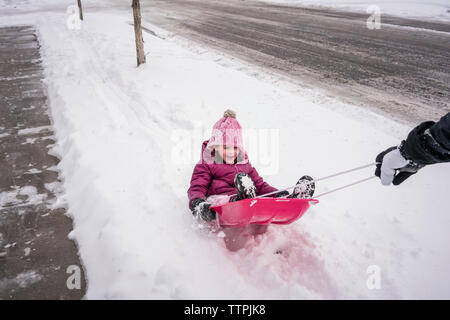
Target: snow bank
column 436, row 10
column 126, row 173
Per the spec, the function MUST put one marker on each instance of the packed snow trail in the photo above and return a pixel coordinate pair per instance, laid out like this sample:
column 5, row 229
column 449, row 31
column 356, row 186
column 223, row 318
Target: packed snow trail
column 129, row 138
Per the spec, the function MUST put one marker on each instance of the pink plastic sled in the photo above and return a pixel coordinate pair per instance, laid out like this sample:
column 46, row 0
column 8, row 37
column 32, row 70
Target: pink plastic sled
column 262, row 211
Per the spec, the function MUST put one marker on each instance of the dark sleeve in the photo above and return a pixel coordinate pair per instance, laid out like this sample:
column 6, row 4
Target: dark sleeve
column 429, row 142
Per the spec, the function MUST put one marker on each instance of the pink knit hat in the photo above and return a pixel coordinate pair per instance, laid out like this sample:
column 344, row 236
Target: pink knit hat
column 228, row 132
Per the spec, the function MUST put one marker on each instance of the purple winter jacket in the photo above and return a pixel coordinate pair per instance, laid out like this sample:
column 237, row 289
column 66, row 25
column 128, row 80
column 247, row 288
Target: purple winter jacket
column 218, row 178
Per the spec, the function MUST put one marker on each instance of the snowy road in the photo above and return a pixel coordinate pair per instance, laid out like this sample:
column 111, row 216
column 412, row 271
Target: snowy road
column 402, row 70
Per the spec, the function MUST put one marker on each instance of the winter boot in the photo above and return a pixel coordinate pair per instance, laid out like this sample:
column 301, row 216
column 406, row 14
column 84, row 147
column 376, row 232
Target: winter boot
column 304, row 188
column 245, row 187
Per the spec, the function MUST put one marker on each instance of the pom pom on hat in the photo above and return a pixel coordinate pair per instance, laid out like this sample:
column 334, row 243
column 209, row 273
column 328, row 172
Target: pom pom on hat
column 229, row 113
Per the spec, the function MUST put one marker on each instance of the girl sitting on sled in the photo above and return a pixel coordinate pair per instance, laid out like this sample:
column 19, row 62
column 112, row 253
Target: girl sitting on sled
column 224, row 174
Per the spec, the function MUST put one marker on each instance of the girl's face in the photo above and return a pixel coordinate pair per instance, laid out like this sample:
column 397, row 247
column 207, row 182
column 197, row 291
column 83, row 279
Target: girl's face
column 228, row 153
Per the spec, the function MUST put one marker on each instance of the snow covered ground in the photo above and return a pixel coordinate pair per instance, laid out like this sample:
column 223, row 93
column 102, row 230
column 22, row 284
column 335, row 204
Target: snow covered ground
column 436, row 9
column 129, row 137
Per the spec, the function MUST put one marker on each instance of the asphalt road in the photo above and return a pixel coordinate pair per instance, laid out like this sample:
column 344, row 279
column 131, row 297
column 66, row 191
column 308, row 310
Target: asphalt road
column 401, row 70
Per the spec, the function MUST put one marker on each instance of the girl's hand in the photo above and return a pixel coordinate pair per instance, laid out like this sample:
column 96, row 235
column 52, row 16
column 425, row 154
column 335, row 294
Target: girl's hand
column 201, row 208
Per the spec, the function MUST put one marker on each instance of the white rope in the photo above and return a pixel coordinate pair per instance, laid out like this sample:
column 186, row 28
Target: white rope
column 346, row 186
column 324, row 178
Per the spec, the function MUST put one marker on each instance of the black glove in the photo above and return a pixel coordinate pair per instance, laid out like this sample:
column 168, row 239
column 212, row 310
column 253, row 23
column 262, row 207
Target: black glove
column 201, row 208
column 395, row 166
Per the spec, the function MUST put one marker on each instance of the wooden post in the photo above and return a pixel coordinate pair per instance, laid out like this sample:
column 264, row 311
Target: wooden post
column 80, row 8
column 138, row 32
